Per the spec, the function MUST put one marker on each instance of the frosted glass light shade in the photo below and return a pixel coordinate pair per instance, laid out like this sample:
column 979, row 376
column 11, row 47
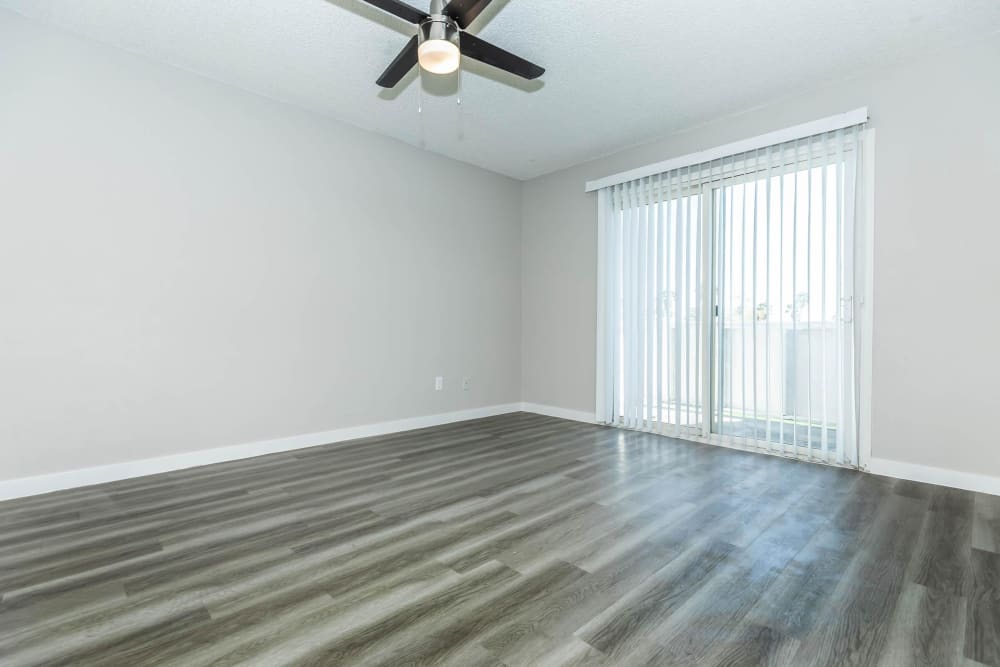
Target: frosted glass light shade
column 438, row 56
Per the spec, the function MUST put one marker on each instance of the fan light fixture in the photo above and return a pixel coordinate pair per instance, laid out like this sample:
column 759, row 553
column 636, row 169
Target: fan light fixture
column 438, row 52
column 439, row 56
column 441, row 41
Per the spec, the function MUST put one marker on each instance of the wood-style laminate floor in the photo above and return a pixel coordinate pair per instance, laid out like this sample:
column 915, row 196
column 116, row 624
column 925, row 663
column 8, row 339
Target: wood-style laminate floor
column 518, row 540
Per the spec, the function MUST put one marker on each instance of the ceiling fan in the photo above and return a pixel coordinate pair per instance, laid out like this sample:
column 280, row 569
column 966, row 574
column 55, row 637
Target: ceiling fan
column 441, row 41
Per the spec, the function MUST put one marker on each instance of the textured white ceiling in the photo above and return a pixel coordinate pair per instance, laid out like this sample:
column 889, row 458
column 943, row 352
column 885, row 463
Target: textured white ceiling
column 619, row 73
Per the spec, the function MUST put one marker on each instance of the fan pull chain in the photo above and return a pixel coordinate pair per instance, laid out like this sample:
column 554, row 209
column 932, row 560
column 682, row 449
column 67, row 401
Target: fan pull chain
column 420, row 104
column 458, row 104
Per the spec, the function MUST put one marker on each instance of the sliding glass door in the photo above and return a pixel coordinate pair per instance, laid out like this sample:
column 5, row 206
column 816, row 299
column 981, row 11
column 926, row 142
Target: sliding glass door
column 728, row 288
column 658, row 350
column 781, row 259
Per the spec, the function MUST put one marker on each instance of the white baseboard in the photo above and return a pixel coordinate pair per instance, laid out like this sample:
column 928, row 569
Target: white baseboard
column 915, row 472
column 561, row 413
column 30, row 486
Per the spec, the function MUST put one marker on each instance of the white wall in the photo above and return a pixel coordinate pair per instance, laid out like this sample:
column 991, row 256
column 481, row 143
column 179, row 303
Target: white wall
column 184, row 265
column 936, row 360
column 180, row 262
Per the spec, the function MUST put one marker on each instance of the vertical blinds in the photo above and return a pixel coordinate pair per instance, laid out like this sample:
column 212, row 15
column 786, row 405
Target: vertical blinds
column 726, row 299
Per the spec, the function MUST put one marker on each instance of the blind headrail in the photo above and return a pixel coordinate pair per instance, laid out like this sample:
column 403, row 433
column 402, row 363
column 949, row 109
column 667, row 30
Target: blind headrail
column 828, row 124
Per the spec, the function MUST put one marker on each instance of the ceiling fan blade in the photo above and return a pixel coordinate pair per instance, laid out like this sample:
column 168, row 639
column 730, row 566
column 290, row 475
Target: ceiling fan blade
column 402, row 64
column 465, row 12
column 400, row 9
column 483, row 51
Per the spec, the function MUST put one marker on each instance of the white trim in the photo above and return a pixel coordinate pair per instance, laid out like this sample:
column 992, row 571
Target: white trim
column 70, row 479
column 957, row 479
column 30, row 486
column 561, row 413
column 866, row 309
column 828, row 124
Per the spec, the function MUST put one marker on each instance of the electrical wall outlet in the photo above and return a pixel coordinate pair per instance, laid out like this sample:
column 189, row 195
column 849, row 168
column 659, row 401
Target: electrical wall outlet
column 438, row 383
column 466, row 384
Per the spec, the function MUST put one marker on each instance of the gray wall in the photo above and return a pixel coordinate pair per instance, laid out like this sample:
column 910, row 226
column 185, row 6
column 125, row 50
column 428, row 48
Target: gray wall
column 935, row 357
column 184, row 265
column 181, row 262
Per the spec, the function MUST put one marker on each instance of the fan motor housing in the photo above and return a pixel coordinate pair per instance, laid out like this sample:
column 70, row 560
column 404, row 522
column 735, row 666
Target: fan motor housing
column 439, row 26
